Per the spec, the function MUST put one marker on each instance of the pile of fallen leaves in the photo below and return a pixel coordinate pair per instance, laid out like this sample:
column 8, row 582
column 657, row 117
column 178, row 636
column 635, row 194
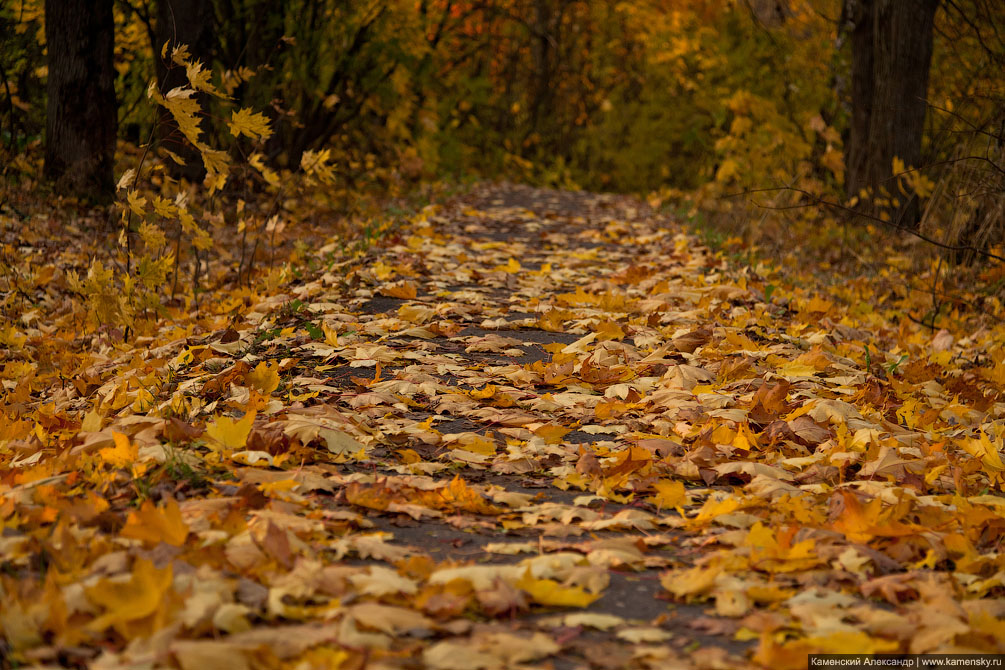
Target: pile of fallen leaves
column 532, row 429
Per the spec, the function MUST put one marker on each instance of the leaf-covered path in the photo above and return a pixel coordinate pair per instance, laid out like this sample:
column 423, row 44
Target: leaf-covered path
column 537, row 429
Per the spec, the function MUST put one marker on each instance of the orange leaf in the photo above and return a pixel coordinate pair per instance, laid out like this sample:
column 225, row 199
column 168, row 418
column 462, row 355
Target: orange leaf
column 122, row 455
column 552, row 433
column 154, row 525
column 406, row 290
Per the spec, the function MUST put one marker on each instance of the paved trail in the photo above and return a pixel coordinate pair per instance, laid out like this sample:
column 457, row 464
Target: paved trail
column 494, row 371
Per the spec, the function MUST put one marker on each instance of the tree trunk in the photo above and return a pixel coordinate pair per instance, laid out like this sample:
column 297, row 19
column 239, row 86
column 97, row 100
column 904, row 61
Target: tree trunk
column 81, row 119
column 178, row 22
column 858, row 16
column 891, row 44
column 542, row 51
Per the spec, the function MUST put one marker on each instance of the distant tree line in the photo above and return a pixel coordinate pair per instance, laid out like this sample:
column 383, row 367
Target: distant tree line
column 603, row 94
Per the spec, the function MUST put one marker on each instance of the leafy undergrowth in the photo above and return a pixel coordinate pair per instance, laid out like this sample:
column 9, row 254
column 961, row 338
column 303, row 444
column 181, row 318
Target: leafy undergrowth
column 535, row 429
column 868, row 265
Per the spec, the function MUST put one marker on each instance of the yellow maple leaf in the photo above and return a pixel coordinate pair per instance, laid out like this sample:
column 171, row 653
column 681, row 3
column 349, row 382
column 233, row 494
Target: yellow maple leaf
column 819, row 305
column 669, row 493
column 691, row 583
column 199, row 77
column 457, row 495
column 712, row 509
column 137, row 203
column 316, row 167
column 91, row 423
column 553, row 320
column 723, row 434
column 180, row 54
column 552, row 433
column 226, row 433
column 772, row 550
column 253, row 124
column 861, row 523
column 152, row 524
column 184, row 108
column 10, row 336
column 512, row 267
column 795, row 369
column 850, row 642
column 745, row 438
column 382, row 270
column 264, row 377
column 331, row 335
column 997, row 373
column 307, row 428
column 984, row 449
column 136, row 605
column 217, row 163
column 144, row 399
column 476, row 444
column 609, row 330
column 164, row 207
column 550, row 592
column 122, row 455
column 484, row 393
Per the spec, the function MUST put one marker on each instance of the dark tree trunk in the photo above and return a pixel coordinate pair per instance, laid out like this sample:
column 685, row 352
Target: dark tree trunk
column 81, row 120
column 542, row 49
column 188, row 22
column 891, row 45
column 858, row 17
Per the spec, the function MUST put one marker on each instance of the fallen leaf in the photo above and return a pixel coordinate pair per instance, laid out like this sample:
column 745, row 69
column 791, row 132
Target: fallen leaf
column 226, row 433
column 550, row 592
column 156, row 524
column 134, row 606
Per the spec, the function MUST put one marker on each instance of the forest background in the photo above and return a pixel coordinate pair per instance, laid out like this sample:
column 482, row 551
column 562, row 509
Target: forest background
column 249, row 121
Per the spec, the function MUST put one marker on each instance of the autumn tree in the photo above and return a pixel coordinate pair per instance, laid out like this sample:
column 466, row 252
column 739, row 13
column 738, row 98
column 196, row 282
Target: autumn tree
column 891, row 48
column 81, row 112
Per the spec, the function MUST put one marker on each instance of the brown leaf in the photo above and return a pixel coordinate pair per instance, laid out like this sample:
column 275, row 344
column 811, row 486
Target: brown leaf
column 688, row 342
column 502, row 598
column 943, row 341
column 588, row 464
column 220, row 384
column 769, row 401
column 778, row 431
column 176, row 430
column 251, row 497
column 276, row 544
column 808, row 431
column 229, row 335
column 271, row 438
column 661, row 447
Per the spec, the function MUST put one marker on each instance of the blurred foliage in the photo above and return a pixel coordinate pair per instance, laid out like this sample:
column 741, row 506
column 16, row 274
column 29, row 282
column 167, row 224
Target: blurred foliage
column 22, row 76
column 690, row 100
column 628, row 96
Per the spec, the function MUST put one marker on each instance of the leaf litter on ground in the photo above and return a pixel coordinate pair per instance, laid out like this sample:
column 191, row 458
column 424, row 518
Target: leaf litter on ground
column 534, row 429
